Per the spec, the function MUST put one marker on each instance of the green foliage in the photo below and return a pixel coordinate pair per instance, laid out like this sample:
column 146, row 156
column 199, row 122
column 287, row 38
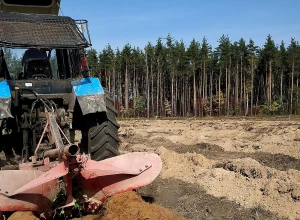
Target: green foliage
column 107, row 59
column 270, row 49
column 274, row 107
column 139, row 104
column 93, row 62
column 13, row 62
column 126, row 113
column 216, row 98
column 296, row 100
column 297, row 108
column 223, row 51
column 271, row 109
column 242, row 71
column 168, row 108
column 193, row 53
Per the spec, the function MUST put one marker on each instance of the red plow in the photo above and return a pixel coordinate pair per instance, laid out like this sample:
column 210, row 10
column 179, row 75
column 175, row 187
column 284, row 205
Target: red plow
column 63, row 178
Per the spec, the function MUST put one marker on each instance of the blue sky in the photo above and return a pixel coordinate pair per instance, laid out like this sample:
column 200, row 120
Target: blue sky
column 118, row 22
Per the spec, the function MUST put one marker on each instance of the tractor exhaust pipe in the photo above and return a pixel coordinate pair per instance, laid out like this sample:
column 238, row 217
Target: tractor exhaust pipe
column 68, row 151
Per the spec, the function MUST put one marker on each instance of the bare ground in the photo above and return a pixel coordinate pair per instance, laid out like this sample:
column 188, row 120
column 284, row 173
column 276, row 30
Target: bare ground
column 221, row 169
column 213, row 169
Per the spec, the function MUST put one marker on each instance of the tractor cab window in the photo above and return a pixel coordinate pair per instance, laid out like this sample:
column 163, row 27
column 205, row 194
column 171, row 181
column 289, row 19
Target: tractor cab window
column 10, row 63
column 35, row 64
column 22, row 64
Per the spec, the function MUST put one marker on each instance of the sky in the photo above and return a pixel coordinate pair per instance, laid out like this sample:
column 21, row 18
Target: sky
column 137, row 22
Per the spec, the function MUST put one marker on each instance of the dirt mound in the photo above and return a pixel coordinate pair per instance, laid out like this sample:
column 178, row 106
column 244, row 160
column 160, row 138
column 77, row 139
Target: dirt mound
column 252, row 185
column 129, row 205
column 244, row 181
column 247, row 167
column 23, row 216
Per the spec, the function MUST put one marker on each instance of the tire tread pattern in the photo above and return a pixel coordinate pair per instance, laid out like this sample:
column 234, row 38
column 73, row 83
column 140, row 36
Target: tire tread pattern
column 103, row 140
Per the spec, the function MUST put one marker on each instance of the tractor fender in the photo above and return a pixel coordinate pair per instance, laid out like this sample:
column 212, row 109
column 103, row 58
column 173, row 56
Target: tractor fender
column 5, row 100
column 90, row 95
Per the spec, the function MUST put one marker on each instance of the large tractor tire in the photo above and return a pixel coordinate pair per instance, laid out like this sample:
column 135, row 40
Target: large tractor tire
column 103, row 140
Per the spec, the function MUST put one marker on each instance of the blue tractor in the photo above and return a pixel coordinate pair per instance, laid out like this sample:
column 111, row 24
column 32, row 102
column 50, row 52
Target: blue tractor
column 54, row 76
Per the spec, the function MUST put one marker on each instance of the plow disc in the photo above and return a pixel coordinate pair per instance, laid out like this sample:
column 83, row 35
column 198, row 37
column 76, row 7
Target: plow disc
column 81, row 179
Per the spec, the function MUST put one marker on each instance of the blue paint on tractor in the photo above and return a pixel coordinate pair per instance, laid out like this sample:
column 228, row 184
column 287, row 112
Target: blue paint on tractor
column 4, row 90
column 87, row 86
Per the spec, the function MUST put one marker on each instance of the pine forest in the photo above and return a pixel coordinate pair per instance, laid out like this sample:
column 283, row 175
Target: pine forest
column 173, row 79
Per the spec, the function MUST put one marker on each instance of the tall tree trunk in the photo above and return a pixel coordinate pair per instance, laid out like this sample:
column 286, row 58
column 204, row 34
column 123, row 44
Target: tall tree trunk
column 297, row 84
column 120, row 97
column 147, row 85
column 195, row 91
column 157, row 89
column 236, row 88
column 182, row 97
column 220, row 93
column 229, row 86
column 152, row 89
column 134, row 90
column 109, row 80
column 126, row 87
column 105, row 78
column 188, row 100
column 161, row 92
column 270, row 83
column 281, row 87
column 205, row 79
column 292, row 85
column 247, row 103
column 252, row 83
column 173, row 95
column 202, row 102
column 114, row 84
column 245, row 97
column 226, row 89
column 210, row 93
column 241, row 89
column 176, row 96
column 260, row 82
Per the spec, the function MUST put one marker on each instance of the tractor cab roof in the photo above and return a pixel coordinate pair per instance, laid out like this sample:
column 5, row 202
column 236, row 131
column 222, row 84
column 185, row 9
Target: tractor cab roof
column 42, row 31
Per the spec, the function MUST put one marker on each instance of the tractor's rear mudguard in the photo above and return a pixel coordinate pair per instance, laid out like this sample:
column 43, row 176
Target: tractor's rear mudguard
column 90, row 95
column 5, row 100
column 95, row 181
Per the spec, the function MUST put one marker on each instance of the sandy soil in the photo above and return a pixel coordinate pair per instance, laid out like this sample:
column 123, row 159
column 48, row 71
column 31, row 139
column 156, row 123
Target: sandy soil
column 248, row 167
column 213, row 169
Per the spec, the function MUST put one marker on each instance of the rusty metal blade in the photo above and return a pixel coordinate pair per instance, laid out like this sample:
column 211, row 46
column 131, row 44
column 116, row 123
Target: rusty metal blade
column 54, row 173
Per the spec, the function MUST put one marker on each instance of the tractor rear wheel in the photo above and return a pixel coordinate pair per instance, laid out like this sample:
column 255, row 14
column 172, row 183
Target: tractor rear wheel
column 103, row 140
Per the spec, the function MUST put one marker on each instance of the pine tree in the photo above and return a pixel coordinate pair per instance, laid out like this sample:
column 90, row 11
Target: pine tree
column 193, row 55
column 270, row 52
column 126, row 55
column 252, row 49
column 204, row 59
column 93, row 62
column 293, row 57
